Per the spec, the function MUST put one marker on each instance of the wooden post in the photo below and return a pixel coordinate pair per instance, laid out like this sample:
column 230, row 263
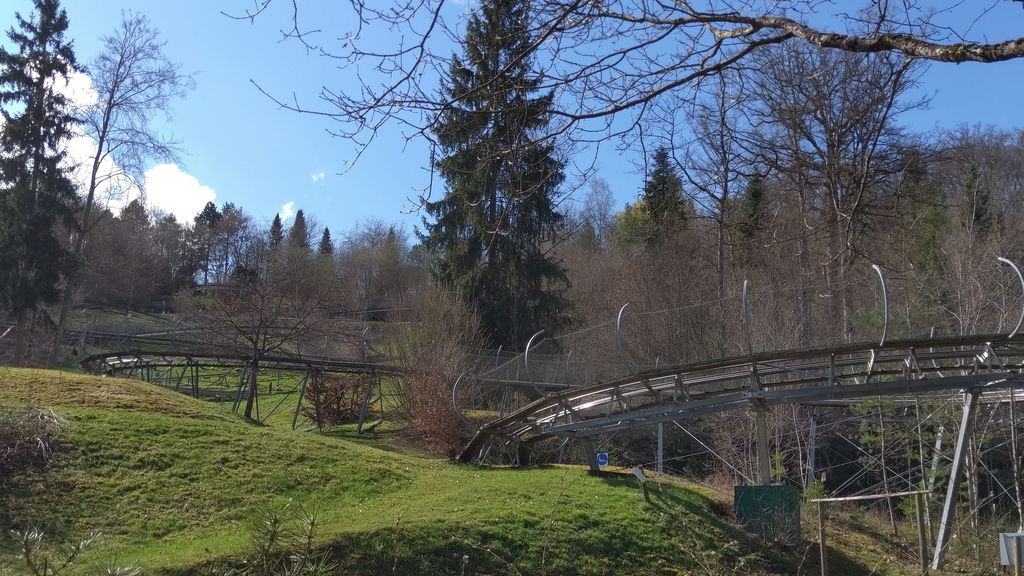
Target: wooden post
column 821, row 539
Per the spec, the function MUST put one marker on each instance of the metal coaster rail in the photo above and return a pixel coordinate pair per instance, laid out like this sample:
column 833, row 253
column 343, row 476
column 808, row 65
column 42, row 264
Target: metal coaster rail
column 850, row 371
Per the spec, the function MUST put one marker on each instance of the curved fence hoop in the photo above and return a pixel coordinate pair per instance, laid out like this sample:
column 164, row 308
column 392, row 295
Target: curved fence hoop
column 885, row 303
column 1020, row 277
column 455, row 402
column 526, row 361
column 618, row 329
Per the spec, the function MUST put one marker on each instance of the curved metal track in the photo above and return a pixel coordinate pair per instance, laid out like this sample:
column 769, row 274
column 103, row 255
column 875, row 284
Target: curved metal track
column 115, row 362
column 981, row 363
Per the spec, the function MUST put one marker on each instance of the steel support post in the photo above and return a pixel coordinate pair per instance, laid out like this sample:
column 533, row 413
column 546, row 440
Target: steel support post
column 822, row 546
column 764, row 466
column 922, row 543
column 956, row 474
column 661, row 447
column 588, row 448
column 812, row 446
column 302, row 396
column 365, row 407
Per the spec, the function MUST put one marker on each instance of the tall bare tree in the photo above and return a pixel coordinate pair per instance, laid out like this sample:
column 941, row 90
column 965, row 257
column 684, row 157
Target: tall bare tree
column 829, row 126
column 606, row 58
column 134, row 81
column 276, row 303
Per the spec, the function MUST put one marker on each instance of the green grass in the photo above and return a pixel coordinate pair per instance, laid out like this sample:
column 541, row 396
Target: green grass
column 176, row 486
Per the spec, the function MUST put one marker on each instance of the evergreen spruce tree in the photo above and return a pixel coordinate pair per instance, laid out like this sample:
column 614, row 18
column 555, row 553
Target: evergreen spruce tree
column 35, row 192
column 489, row 232
column 276, row 231
column 203, row 233
column 298, row 235
column 326, row 247
column 663, row 196
column 749, row 222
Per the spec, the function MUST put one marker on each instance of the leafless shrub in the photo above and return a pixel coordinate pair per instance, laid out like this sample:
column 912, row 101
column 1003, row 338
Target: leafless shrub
column 29, row 438
column 441, row 342
column 334, row 399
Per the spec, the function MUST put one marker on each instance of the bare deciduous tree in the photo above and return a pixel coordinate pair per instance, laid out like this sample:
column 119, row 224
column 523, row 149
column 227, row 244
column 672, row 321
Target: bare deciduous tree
column 605, row 58
column 276, row 304
column 134, row 80
column 829, row 130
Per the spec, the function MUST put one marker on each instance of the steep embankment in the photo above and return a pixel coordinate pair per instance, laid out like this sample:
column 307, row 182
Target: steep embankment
column 176, row 485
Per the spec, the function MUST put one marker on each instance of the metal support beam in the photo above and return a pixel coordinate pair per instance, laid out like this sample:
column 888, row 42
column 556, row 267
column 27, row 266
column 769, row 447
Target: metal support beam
column 302, row 396
column 588, row 449
column 764, row 467
column 364, row 409
column 952, row 492
column 812, row 446
column 661, row 448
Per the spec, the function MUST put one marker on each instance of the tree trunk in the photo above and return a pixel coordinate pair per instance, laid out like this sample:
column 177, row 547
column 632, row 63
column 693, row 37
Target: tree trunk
column 253, row 368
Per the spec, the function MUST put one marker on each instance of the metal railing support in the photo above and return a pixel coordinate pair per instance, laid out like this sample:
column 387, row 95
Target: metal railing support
column 588, row 448
column 764, row 467
column 956, row 473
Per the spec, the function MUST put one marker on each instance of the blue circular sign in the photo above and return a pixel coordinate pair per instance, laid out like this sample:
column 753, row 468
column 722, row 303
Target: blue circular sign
column 602, row 458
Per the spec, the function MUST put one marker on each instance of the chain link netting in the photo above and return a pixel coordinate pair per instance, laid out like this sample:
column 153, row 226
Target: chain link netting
column 818, row 316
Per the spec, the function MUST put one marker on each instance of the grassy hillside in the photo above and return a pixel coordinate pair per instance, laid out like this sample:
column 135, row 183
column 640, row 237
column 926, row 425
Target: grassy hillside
column 176, row 486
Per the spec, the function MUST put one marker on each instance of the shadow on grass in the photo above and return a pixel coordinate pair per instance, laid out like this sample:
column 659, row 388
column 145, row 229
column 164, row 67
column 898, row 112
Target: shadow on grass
column 802, row 558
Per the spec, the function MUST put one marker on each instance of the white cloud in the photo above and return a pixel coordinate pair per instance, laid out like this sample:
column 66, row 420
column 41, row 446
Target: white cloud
column 317, row 176
column 287, row 211
column 175, row 192
column 167, row 187
column 114, row 190
column 79, row 90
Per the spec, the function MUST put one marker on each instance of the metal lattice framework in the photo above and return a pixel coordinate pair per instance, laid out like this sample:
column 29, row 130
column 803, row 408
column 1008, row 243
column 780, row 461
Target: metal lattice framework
column 190, row 373
column 593, row 382
column 853, row 371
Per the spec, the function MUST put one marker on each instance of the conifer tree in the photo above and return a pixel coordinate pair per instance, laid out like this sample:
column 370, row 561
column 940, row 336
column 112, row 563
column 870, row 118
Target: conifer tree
column 326, row 247
column 749, row 224
column 36, row 194
column 489, row 232
column 202, row 236
column 298, row 235
column 276, row 231
column 663, row 195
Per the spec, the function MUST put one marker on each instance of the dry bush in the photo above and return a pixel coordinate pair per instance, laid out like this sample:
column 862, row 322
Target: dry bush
column 334, row 399
column 442, row 340
column 29, row 438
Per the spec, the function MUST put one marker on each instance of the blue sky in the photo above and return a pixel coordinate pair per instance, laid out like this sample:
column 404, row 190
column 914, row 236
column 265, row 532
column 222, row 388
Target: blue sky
column 241, row 148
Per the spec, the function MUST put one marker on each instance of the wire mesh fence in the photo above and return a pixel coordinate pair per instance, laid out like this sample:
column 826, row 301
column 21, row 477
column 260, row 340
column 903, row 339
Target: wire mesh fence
column 868, row 306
